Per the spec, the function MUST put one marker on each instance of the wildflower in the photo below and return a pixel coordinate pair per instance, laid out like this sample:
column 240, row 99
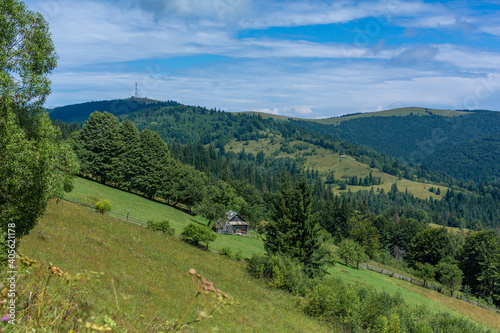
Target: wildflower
column 5, row 318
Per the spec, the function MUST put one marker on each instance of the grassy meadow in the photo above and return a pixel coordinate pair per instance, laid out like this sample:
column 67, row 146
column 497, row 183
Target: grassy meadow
column 142, row 208
column 417, row 296
column 398, row 112
column 326, row 161
column 150, row 274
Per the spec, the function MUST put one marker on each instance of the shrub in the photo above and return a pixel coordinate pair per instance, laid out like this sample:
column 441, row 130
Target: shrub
column 163, row 226
column 281, row 272
column 103, row 206
column 227, row 252
column 196, row 234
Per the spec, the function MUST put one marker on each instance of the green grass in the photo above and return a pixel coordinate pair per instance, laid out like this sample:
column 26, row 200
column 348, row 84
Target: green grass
column 416, row 295
column 326, row 161
column 123, row 202
column 150, row 272
column 399, row 112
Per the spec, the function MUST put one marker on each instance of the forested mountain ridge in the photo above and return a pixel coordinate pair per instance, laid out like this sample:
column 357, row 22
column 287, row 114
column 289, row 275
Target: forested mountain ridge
column 412, row 138
column 238, row 149
column 477, row 159
column 80, row 112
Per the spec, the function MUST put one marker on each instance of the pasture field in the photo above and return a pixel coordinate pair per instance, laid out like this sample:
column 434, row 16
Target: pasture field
column 123, row 202
column 150, row 275
column 326, row 161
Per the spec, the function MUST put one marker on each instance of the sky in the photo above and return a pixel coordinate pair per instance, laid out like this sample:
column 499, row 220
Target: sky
column 300, row 58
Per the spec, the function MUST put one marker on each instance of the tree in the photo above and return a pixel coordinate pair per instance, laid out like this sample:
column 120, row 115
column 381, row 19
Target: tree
column 196, row 234
column 35, row 166
column 428, row 246
column 449, row 275
column 351, row 251
column 480, row 263
column 426, row 272
column 365, row 233
column 293, row 230
column 99, row 144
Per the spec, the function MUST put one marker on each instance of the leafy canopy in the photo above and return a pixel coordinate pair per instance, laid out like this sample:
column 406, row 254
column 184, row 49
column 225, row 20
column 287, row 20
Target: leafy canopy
column 34, row 165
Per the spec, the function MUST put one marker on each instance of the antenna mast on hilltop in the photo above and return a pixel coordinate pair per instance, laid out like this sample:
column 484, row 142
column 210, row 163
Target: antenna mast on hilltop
column 136, row 91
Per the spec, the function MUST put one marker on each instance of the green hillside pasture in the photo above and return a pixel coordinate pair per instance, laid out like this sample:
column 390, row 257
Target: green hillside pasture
column 417, row 296
column 150, row 273
column 123, row 202
column 326, row 161
column 399, row 112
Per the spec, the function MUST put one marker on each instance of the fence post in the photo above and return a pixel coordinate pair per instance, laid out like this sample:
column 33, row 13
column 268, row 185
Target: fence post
column 127, row 216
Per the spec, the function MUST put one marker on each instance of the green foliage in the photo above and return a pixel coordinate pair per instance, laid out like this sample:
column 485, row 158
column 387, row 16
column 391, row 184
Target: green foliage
column 351, row 251
column 356, row 308
column 103, row 206
column 294, row 230
column 365, row 233
column 281, row 272
column 449, row 275
column 480, row 263
column 34, row 165
column 425, row 271
column 429, row 246
column 162, row 226
column 195, row 234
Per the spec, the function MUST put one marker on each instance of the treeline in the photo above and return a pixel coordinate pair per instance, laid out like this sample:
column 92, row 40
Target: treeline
column 117, row 154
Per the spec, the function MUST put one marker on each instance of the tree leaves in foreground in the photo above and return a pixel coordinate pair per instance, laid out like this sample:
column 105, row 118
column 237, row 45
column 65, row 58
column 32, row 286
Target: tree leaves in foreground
column 34, row 165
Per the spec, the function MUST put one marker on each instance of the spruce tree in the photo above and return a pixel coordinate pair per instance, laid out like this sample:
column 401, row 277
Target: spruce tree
column 294, row 230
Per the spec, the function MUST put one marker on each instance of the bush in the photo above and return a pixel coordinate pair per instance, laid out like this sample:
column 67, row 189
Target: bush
column 227, row 252
column 163, row 226
column 196, row 234
column 281, row 272
column 103, row 206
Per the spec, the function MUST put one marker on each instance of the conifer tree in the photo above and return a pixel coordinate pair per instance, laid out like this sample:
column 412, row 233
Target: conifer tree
column 129, row 154
column 294, row 230
column 100, row 139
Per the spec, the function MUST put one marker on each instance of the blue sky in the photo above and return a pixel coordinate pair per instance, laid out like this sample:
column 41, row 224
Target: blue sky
column 301, row 58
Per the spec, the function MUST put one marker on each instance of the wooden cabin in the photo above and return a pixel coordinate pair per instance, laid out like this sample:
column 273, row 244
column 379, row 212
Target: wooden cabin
column 232, row 224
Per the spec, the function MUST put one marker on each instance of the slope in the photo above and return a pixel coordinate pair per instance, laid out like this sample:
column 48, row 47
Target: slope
column 140, row 207
column 477, row 159
column 326, row 162
column 81, row 112
column 151, row 280
column 150, row 273
column 412, row 138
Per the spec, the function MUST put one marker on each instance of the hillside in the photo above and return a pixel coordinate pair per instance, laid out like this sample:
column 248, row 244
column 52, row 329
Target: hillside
column 477, row 159
column 80, row 112
column 412, row 138
column 328, row 162
column 399, row 112
column 151, row 269
column 150, row 273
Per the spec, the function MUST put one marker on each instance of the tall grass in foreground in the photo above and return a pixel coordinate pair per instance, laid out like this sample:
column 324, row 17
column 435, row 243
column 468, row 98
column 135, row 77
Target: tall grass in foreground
column 151, row 285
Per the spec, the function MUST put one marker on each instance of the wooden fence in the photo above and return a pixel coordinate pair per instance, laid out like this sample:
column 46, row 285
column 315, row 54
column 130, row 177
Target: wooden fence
column 420, row 283
column 123, row 217
column 427, row 285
